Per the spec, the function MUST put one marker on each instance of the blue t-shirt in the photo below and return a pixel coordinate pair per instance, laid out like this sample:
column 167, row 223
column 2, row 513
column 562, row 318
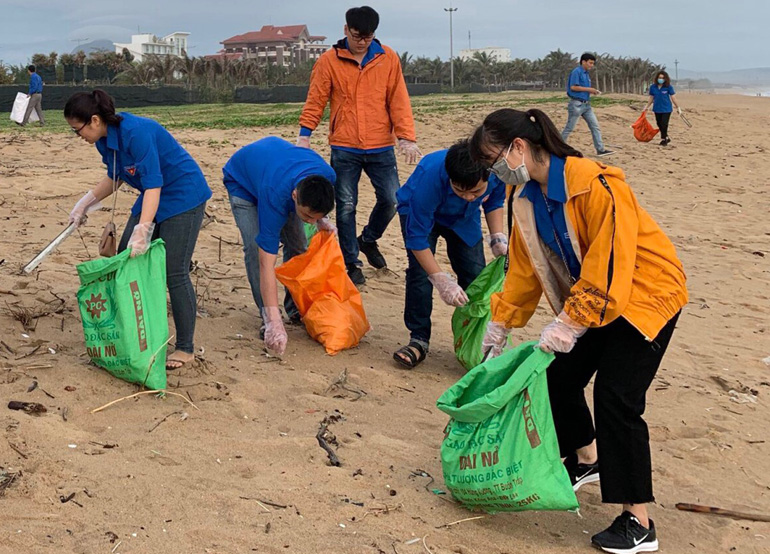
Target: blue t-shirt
column 549, row 214
column 35, row 83
column 661, row 98
column 581, row 78
column 427, row 198
column 149, row 157
column 265, row 173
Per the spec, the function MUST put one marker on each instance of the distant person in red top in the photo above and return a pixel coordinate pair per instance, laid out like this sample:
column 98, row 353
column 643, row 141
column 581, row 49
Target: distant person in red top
column 362, row 80
column 662, row 96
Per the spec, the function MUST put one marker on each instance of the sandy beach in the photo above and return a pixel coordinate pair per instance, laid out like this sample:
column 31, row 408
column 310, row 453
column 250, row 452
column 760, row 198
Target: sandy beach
column 244, row 473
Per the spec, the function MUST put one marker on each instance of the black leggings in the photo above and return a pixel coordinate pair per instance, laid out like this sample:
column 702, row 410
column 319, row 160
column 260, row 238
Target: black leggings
column 662, row 121
column 625, row 365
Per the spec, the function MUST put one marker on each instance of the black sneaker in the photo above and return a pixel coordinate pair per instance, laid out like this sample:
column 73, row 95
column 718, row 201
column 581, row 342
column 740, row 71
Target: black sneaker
column 605, row 153
column 581, row 474
column 626, row 536
column 668, row 139
column 372, row 253
column 664, row 142
column 356, row 275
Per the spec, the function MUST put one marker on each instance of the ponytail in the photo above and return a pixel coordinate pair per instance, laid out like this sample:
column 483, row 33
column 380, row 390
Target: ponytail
column 501, row 127
column 82, row 106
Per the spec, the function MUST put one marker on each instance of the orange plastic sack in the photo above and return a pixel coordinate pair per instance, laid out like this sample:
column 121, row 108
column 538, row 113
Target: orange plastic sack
column 328, row 301
column 643, row 130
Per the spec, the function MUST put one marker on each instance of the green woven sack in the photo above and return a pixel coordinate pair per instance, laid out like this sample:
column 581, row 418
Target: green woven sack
column 500, row 452
column 123, row 307
column 469, row 322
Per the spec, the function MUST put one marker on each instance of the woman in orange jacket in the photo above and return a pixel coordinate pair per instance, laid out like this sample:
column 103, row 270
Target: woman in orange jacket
column 613, row 280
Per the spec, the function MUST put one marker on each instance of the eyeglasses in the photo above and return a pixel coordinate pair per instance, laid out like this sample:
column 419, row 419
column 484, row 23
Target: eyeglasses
column 77, row 131
column 497, row 158
column 355, row 37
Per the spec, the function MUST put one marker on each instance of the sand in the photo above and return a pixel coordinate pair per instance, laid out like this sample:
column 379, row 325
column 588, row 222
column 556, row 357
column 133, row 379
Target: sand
column 244, row 473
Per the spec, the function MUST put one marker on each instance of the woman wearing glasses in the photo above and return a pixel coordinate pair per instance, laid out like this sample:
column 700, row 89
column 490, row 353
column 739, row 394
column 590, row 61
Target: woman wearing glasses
column 613, row 280
column 171, row 203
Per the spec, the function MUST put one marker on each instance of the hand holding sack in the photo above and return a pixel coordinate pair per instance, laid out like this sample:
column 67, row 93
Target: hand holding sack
column 141, row 237
column 643, row 130
column 498, row 243
column 494, row 340
column 325, row 224
column 275, row 333
column 561, row 335
column 450, row 292
column 410, row 150
column 87, row 204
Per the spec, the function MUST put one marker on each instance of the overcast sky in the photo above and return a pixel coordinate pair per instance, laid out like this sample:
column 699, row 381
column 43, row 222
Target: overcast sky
column 704, row 35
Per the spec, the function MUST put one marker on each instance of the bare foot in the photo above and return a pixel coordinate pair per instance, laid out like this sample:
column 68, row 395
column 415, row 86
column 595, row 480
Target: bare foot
column 178, row 358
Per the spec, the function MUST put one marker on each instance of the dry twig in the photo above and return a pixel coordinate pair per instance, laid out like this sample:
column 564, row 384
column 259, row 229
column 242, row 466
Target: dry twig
column 158, row 392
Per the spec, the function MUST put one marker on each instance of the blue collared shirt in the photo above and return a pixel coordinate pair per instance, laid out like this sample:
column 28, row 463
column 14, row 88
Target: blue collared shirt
column 35, row 84
column 427, row 198
column 550, row 217
column 661, row 98
column 581, row 78
column 148, row 157
column 265, row 173
column 375, row 48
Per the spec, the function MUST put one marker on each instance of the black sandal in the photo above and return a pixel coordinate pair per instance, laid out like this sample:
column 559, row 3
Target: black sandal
column 408, row 351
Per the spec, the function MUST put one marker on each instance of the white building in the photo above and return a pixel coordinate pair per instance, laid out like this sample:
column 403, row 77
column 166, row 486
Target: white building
column 498, row 54
column 142, row 45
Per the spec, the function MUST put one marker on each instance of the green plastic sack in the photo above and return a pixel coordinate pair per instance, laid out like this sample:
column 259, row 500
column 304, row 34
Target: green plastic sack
column 123, row 307
column 310, row 230
column 469, row 322
column 500, row 452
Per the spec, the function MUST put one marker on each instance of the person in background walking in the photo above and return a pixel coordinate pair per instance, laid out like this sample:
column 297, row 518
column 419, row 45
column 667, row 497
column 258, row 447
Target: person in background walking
column 35, row 96
column 369, row 105
column 663, row 101
column 579, row 90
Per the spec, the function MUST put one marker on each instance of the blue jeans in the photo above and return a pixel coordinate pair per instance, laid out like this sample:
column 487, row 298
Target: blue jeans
column 292, row 236
column 180, row 233
column 383, row 173
column 466, row 261
column 577, row 109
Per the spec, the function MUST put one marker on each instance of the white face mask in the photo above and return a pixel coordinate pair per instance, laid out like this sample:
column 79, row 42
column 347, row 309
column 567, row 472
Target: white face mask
column 512, row 176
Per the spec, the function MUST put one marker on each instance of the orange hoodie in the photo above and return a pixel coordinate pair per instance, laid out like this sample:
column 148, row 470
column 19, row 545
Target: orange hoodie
column 368, row 105
column 629, row 267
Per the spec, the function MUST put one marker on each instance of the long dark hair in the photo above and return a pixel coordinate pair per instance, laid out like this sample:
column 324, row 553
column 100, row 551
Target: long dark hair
column 667, row 79
column 82, row 106
column 501, row 127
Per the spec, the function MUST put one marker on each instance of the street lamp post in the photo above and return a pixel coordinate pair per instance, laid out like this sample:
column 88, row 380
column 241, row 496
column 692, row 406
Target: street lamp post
column 450, row 9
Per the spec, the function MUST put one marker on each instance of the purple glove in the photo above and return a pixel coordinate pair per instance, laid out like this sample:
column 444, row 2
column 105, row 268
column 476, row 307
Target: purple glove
column 448, row 289
column 275, row 333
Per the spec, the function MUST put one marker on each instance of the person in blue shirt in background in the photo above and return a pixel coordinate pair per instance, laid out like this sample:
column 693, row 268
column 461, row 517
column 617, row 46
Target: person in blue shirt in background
column 274, row 186
column 443, row 198
column 35, row 96
column 661, row 98
column 171, row 203
column 579, row 90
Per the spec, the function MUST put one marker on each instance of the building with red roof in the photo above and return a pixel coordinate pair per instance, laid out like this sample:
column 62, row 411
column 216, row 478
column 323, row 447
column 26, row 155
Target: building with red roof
column 288, row 45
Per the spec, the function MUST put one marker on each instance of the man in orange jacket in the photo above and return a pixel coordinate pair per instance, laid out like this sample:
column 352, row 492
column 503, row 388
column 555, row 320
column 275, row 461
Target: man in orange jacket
column 369, row 105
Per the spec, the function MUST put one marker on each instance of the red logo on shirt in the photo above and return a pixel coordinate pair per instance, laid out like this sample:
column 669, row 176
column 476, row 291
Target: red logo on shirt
column 131, row 170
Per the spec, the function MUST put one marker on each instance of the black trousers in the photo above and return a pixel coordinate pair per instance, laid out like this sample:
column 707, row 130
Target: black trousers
column 625, row 364
column 662, row 120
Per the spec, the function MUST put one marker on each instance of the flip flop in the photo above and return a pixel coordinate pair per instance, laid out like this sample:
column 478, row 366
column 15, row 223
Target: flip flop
column 413, row 359
column 180, row 362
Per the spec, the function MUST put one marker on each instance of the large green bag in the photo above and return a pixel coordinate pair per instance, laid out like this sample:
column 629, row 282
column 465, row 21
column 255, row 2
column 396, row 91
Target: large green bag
column 469, row 322
column 123, row 307
column 500, row 452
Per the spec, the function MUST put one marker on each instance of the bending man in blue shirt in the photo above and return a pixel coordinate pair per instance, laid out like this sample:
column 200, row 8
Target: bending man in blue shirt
column 274, row 186
column 579, row 90
column 35, row 96
column 444, row 197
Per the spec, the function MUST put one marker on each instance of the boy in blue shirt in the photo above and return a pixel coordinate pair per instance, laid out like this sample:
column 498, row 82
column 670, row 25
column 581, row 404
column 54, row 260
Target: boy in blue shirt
column 444, row 197
column 274, row 186
column 35, row 95
column 579, row 90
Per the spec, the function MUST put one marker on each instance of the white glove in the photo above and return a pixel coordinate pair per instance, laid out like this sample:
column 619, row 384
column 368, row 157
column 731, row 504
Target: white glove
column 325, row 224
column 679, row 110
column 141, row 237
column 561, row 335
column 83, row 207
column 494, row 340
column 448, row 289
column 304, row 142
column 498, row 243
column 409, row 150
column 275, row 333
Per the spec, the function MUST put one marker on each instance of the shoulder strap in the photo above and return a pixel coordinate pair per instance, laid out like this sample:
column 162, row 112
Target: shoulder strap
column 611, row 264
column 115, row 184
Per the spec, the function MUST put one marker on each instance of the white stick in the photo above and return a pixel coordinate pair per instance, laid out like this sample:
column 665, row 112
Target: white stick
column 30, row 267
